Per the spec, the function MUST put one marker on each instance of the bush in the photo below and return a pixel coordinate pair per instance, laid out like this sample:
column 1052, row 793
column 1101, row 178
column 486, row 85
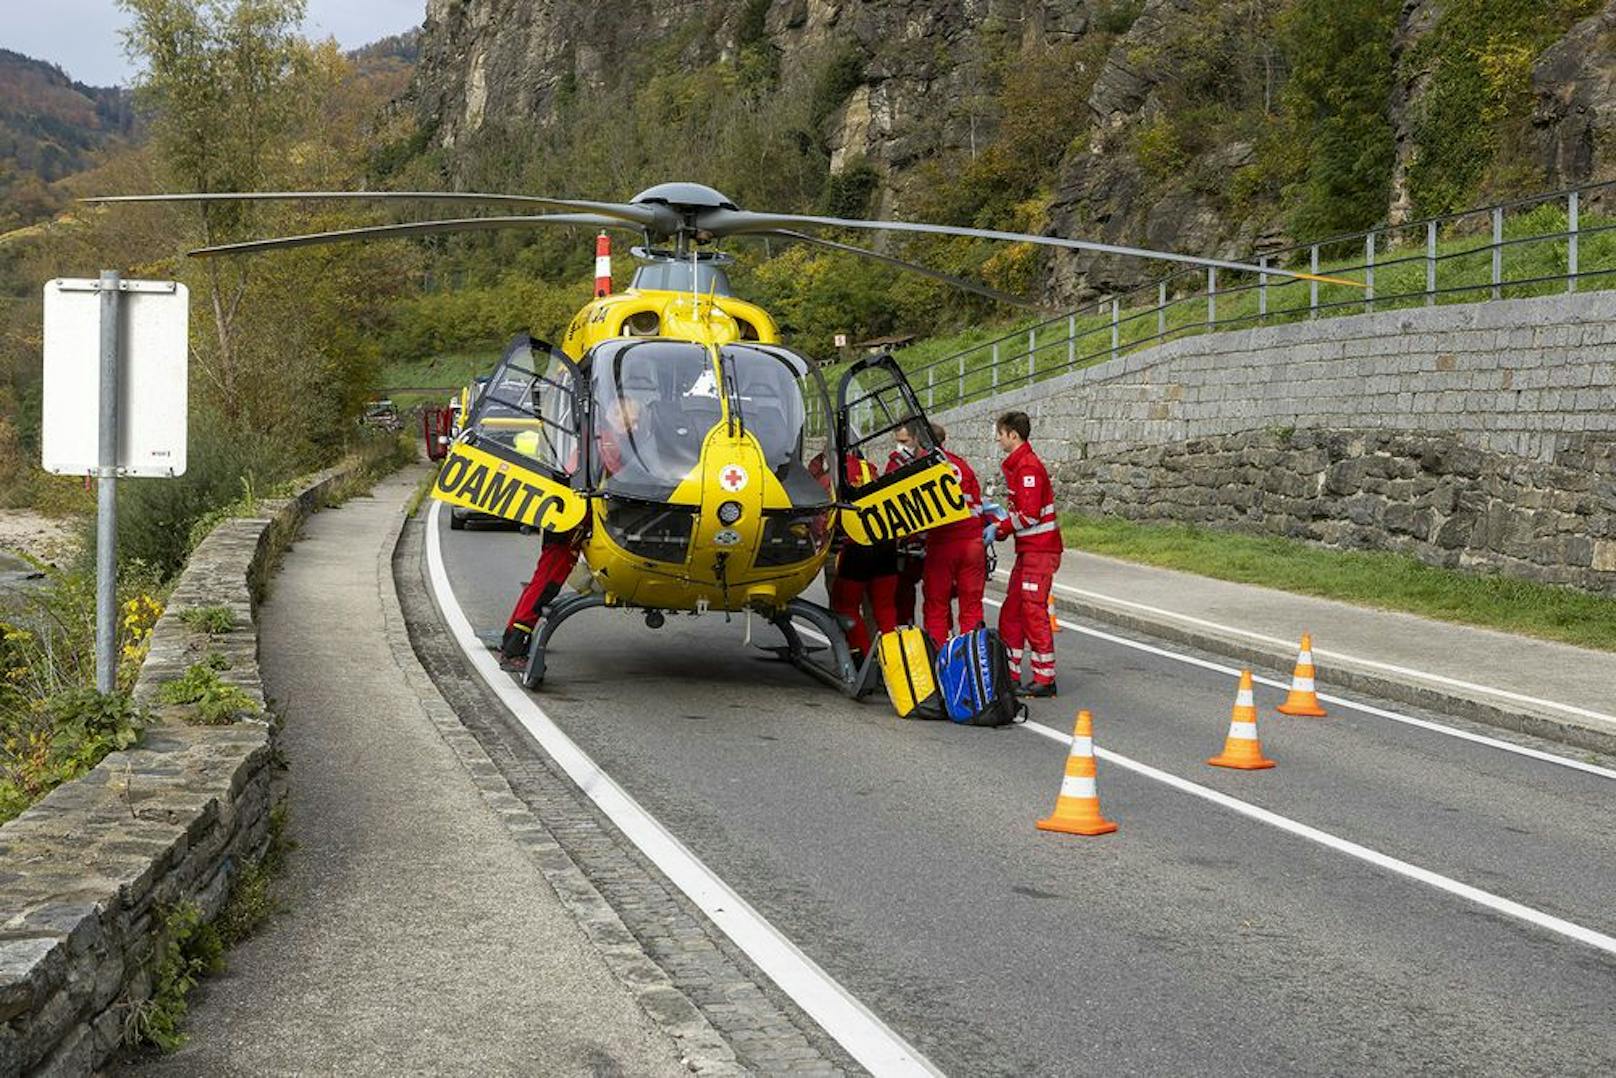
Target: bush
column 60, row 738
column 156, row 517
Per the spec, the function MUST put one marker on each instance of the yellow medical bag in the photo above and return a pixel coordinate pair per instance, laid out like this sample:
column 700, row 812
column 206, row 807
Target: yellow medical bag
column 909, row 670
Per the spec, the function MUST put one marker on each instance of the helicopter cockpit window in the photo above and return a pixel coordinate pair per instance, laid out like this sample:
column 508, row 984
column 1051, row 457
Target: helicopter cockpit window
column 767, row 390
column 655, row 402
column 881, row 410
column 528, row 406
column 679, row 275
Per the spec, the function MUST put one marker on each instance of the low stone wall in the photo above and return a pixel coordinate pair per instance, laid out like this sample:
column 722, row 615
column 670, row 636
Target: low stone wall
column 1481, row 435
column 86, row 873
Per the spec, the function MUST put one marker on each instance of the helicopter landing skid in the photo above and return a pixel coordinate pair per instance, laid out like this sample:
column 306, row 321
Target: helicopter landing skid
column 840, row 673
column 559, row 611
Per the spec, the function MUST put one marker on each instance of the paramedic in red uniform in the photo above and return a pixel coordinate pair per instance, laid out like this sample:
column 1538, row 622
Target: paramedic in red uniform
column 1030, row 499
column 956, row 561
column 911, row 551
column 558, row 552
column 865, row 570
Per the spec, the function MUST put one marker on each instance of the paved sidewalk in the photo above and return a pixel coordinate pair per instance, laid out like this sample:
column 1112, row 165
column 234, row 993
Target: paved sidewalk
column 418, row 935
column 1552, row 690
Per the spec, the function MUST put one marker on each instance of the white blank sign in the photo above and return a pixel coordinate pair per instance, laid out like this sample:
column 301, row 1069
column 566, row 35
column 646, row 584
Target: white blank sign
column 153, row 339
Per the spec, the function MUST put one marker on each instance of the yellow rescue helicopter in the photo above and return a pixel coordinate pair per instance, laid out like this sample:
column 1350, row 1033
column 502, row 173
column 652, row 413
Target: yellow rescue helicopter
column 671, row 430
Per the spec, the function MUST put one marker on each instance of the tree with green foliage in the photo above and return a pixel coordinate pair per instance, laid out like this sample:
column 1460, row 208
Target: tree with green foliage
column 239, row 101
column 226, row 85
column 1339, row 54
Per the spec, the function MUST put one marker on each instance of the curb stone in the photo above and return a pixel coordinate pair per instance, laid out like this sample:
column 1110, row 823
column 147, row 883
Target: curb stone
column 1344, row 674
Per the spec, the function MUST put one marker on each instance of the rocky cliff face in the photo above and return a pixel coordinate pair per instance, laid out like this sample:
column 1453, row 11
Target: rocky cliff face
column 918, row 85
column 509, row 63
column 1574, row 102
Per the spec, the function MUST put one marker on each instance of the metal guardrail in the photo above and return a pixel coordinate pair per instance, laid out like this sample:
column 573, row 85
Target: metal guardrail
column 1454, row 271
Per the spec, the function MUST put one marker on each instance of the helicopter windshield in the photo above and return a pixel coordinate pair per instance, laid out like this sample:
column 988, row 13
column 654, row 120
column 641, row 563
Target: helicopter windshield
column 678, row 275
column 655, row 401
column 767, row 390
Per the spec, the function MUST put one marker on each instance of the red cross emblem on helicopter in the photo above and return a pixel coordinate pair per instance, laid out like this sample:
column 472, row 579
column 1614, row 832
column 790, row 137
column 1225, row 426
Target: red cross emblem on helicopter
column 732, row 478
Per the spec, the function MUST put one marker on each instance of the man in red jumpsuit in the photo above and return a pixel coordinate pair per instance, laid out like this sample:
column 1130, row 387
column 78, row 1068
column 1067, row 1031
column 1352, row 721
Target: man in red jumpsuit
column 955, row 559
column 1030, row 498
column 912, row 551
column 558, row 552
column 865, row 571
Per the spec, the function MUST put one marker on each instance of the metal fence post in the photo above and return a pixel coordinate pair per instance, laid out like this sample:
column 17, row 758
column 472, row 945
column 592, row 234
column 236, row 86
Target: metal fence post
column 1430, row 263
column 995, row 364
column 931, row 377
column 1313, row 286
column 1116, row 324
column 1498, row 251
column 1211, row 296
column 106, row 494
column 1032, row 353
column 1262, row 288
column 1571, row 242
column 959, row 394
column 1071, row 339
column 1161, row 309
column 1369, row 273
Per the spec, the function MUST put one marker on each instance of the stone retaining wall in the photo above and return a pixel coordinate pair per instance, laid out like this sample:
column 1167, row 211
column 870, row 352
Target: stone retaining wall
column 1481, row 435
column 86, row 872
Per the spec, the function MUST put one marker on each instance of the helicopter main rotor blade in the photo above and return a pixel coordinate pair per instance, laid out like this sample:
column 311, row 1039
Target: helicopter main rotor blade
column 416, row 228
column 647, row 216
column 722, row 222
column 912, row 267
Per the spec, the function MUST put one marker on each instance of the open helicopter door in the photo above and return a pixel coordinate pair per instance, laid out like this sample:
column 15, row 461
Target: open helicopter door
column 522, row 453
column 884, row 496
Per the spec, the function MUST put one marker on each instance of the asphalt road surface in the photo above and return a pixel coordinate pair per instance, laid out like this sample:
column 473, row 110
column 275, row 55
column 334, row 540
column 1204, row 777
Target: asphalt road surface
column 902, row 857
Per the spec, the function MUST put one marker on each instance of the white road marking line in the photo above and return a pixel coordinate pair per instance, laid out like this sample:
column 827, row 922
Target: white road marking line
column 867, row 1039
column 1504, row 694
column 1368, row 709
column 1497, row 903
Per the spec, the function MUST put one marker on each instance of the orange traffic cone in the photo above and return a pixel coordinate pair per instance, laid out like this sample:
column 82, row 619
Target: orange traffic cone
column 1054, row 620
column 1303, row 700
column 1077, row 809
column 1241, row 748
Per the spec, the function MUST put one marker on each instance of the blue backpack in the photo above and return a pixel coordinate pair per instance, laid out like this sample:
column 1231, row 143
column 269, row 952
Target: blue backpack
column 973, row 673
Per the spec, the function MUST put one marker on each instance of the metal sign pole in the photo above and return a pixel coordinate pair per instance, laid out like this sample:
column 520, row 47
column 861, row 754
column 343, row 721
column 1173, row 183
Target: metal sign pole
column 106, row 519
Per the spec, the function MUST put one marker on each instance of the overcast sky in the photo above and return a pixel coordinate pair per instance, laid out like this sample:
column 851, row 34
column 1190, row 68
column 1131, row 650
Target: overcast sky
column 82, row 36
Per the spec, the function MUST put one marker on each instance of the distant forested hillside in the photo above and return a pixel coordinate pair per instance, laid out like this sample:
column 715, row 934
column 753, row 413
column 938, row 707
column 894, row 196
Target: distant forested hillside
column 50, row 127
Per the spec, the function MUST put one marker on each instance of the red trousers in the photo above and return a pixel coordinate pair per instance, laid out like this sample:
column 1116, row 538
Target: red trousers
column 960, row 567
column 556, row 559
column 847, row 599
column 1024, row 618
